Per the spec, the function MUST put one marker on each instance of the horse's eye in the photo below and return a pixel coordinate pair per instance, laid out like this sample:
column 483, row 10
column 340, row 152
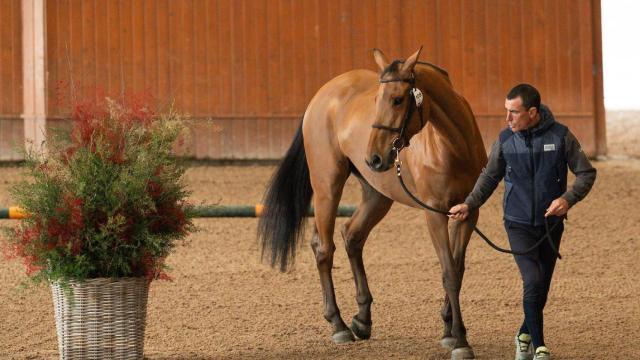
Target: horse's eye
column 398, row 100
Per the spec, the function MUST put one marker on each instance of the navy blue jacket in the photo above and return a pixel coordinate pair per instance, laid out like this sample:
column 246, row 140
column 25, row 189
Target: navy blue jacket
column 534, row 163
column 536, row 171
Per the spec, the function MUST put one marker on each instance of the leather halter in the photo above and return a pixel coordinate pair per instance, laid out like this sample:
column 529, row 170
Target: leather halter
column 399, row 142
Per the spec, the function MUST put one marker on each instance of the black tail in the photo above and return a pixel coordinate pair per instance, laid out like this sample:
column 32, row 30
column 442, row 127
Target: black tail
column 286, row 204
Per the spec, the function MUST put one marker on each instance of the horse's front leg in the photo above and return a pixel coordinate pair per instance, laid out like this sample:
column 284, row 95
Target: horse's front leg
column 452, row 281
column 460, row 234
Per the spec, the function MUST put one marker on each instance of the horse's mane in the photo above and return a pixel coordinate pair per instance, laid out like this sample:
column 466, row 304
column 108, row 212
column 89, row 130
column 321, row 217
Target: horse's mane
column 436, row 67
column 394, row 67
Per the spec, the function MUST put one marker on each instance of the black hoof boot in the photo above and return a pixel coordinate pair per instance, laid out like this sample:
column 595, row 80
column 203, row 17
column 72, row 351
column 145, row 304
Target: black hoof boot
column 361, row 330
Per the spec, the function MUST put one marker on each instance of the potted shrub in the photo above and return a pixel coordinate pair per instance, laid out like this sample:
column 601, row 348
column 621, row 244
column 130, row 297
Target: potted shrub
column 106, row 205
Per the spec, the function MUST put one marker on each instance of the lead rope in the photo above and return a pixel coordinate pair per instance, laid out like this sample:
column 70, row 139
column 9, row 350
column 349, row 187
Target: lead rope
column 398, row 144
column 547, row 236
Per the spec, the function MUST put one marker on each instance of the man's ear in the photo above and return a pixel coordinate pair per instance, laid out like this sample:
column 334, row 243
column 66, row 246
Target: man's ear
column 533, row 111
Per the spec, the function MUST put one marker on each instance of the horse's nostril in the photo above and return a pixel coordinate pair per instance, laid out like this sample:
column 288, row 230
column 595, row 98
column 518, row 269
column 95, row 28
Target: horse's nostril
column 376, row 161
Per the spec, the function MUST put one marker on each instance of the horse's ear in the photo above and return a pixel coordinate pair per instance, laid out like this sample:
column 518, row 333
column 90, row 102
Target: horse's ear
column 380, row 58
column 408, row 65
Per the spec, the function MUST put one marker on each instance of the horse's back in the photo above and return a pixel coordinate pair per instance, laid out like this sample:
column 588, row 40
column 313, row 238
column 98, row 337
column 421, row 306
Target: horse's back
column 338, row 93
column 344, row 100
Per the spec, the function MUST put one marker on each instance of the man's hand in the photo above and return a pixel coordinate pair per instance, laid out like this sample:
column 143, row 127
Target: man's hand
column 459, row 212
column 558, row 207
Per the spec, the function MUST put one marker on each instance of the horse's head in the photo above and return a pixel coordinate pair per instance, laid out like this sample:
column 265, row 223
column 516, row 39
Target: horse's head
column 398, row 114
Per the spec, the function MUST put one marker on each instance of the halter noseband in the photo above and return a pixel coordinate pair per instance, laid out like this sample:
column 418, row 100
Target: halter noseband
column 399, row 142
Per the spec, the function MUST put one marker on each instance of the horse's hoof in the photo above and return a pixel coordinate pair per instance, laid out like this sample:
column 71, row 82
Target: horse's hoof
column 361, row 330
column 448, row 342
column 462, row 353
column 343, row 337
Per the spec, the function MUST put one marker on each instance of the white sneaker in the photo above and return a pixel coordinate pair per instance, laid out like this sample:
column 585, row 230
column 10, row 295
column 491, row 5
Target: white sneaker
column 524, row 349
column 542, row 353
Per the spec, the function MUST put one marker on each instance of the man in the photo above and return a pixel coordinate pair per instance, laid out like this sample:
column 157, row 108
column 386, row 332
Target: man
column 532, row 156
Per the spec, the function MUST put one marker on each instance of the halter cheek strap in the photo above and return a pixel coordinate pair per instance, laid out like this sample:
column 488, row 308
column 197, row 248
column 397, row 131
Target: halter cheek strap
column 399, row 142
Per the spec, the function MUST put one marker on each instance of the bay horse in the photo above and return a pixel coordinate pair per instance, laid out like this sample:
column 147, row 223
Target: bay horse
column 354, row 125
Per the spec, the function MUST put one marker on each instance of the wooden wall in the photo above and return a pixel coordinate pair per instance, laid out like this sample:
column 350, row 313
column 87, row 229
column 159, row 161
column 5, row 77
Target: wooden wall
column 245, row 69
column 11, row 125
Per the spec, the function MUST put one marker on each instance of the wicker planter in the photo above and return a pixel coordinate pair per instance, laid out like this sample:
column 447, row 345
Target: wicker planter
column 105, row 321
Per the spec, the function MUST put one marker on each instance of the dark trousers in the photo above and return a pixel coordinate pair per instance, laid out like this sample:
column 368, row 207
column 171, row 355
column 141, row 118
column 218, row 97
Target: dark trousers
column 536, row 269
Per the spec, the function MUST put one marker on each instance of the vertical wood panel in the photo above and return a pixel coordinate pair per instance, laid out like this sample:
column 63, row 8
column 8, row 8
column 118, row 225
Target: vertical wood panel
column 11, row 89
column 138, row 18
column 52, row 46
column 8, row 49
column 176, row 38
column 260, row 101
column 250, row 88
column 163, row 52
column 61, row 59
column 495, row 57
column 359, row 50
column 251, row 66
column 87, row 45
column 575, row 53
column 127, row 81
column 370, row 36
column 150, row 47
column 200, row 143
column 6, row 59
column 115, row 73
column 538, row 42
column 187, row 55
column 101, row 47
column 551, row 48
column 75, row 61
column 16, row 80
column 238, row 76
column 586, row 62
column 452, row 51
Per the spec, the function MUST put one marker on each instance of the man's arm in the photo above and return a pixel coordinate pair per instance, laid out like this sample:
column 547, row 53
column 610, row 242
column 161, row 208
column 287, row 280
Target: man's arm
column 580, row 165
column 585, row 173
column 489, row 179
column 485, row 185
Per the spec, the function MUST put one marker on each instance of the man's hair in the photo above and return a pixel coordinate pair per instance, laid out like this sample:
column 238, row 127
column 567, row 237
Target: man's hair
column 530, row 96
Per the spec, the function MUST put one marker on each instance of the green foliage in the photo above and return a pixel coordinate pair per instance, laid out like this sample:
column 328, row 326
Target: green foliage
column 106, row 199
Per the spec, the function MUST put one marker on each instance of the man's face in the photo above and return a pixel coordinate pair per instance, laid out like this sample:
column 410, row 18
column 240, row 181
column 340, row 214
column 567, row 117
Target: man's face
column 519, row 118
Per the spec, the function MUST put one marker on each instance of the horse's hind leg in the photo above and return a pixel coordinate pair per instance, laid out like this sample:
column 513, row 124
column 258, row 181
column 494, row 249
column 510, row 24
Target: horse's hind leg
column 328, row 179
column 452, row 282
column 372, row 209
column 459, row 239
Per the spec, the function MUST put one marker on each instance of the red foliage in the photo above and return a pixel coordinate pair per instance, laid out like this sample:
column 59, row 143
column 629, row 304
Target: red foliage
column 26, row 237
column 104, row 128
column 91, row 119
column 60, row 231
column 169, row 218
column 151, row 268
column 155, row 189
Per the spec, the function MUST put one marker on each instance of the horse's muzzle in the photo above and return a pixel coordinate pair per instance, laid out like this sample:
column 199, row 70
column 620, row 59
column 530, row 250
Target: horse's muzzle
column 378, row 164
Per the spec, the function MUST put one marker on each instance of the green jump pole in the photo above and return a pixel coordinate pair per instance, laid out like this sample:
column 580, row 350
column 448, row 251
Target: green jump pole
column 205, row 211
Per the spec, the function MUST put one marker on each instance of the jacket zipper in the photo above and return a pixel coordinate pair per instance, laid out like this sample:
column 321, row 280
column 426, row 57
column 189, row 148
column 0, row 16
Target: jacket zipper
column 529, row 144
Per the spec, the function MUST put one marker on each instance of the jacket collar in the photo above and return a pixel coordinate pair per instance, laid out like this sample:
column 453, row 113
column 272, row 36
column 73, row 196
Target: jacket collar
column 546, row 121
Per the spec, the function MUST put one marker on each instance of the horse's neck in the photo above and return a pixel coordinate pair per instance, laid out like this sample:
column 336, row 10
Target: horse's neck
column 447, row 135
column 452, row 127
